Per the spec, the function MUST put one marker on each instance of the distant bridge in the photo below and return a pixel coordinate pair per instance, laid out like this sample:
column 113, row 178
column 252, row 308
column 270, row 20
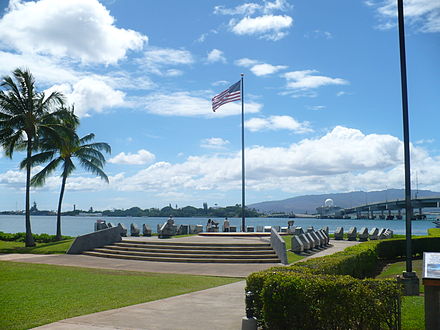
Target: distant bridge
column 386, row 208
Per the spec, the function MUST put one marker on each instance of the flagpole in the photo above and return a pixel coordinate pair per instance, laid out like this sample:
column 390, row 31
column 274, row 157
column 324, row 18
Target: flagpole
column 243, row 219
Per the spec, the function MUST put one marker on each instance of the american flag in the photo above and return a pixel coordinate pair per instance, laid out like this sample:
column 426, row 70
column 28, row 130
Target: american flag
column 232, row 94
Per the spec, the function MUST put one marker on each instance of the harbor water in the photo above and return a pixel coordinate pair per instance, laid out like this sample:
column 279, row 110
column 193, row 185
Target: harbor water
column 74, row 226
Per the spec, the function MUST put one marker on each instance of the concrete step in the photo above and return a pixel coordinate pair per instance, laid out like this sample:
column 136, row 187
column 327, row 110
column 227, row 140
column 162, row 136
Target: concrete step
column 193, row 255
column 231, row 251
column 192, row 248
column 182, row 259
column 191, row 244
column 172, row 251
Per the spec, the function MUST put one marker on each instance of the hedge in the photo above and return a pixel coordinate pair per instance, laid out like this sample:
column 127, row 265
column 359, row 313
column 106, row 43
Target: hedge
column 434, row 231
column 39, row 238
column 331, row 292
column 325, row 302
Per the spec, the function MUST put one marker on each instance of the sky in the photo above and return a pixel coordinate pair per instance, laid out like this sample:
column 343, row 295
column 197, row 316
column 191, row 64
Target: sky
column 322, row 96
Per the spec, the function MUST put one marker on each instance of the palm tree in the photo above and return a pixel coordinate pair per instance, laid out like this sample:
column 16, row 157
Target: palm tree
column 62, row 152
column 25, row 117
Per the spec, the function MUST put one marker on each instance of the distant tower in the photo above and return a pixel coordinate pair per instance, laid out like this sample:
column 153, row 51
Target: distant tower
column 74, row 207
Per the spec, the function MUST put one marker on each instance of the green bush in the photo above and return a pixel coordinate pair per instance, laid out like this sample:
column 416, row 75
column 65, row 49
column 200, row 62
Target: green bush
column 39, row 238
column 305, row 301
column 395, row 248
column 358, row 261
column 434, row 231
column 331, row 292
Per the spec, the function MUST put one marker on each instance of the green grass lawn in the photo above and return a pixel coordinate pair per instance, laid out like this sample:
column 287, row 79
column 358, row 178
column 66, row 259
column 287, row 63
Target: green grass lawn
column 291, row 256
column 413, row 314
column 40, row 248
column 391, row 270
column 33, row 295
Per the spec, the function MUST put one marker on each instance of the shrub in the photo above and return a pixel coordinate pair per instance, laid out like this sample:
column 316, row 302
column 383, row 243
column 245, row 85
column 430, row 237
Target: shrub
column 331, row 292
column 358, row 261
column 434, row 231
column 39, row 238
column 307, row 301
column 395, row 248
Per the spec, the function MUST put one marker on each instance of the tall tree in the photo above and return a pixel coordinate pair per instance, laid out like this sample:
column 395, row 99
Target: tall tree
column 27, row 115
column 62, row 152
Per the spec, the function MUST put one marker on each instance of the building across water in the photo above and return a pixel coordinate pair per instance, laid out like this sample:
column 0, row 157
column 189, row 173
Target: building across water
column 329, row 210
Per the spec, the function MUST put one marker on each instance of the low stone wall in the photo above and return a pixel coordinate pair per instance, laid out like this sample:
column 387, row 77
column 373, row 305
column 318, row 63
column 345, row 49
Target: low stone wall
column 96, row 239
column 278, row 245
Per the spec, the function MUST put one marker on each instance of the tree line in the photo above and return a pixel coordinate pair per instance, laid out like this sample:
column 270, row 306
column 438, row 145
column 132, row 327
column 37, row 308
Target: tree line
column 44, row 127
column 187, row 211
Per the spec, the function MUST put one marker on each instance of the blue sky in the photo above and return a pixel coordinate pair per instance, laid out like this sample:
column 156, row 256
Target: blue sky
column 322, row 96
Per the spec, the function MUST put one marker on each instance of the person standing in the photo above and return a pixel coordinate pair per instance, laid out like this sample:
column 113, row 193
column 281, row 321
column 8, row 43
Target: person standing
column 226, row 225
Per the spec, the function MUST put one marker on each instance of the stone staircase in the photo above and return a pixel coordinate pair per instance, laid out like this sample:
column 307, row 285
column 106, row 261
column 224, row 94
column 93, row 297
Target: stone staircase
column 188, row 252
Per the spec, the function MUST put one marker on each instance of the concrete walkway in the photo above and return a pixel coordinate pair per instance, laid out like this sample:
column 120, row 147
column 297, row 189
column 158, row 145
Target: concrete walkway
column 216, row 308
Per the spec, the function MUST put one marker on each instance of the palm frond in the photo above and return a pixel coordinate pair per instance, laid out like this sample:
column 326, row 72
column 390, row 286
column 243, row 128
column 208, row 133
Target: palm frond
column 91, row 167
column 100, row 146
column 89, row 153
column 9, row 83
column 12, row 142
column 87, row 138
column 54, row 99
column 40, row 178
column 38, row 159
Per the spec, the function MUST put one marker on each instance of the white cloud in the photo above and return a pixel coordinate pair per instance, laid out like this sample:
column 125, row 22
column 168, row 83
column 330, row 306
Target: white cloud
column 266, row 69
column 49, row 71
column 13, row 179
column 214, row 143
column 319, row 34
column 246, row 62
column 259, row 68
column 307, row 79
column 425, row 141
column 185, row 104
column 317, row 107
column 216, row 55
column 270, row 27
column 79, row 181
column 157, row 60
column 274, row 123
column 244, row 9
column 44, row 69
column 343, row 159
column 203, row 36
column 424, row 14
column 77, row 29
column 140, row 158
column 220, row 83
column 90, row 95
column 251, row 8
column 123, row 79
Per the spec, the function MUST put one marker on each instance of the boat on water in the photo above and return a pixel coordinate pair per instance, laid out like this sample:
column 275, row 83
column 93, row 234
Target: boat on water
column 436, row 223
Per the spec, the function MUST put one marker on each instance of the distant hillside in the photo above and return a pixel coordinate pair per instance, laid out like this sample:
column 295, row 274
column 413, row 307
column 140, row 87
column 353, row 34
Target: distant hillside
column 309, row 203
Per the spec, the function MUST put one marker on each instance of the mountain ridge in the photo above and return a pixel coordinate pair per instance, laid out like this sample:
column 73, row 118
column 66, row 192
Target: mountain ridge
column 309, row 203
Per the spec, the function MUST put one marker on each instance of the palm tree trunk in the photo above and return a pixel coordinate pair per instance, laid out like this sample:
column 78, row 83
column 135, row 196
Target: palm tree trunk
column 60, row 202
column 29, row 240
